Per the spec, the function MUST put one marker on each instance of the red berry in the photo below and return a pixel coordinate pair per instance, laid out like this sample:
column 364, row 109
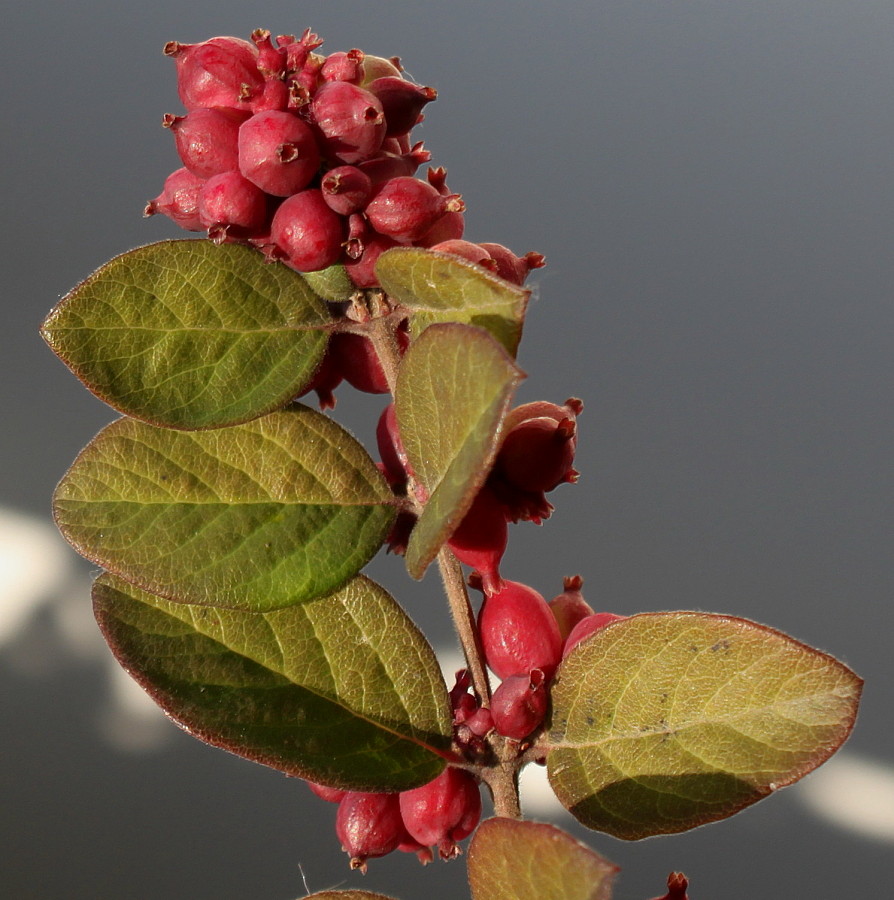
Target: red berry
column 519, row 704
column 536, row 455
column 442, row 812
column 511, row 267
column 362, row 270
column 330, row 795
column 401, row 100
column 406, row 208
column 351, row 119
column 232, row 205
column 220, row 72
column 391, row 448
column 369, row 825
column 481, row 537
column 386, row 165
column 307, row 232
column 586, row 627
column 278, row 152
column 465, row 250
column 355, row 357
column 207, row 139
column 343, row 66
column 519, row 632
column 326, row 379
column 346, row 189
column 179, row 200
column 569, row 607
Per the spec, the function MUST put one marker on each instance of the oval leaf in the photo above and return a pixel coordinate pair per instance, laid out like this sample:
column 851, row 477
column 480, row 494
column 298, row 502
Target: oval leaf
column 343, row 690
column 453, row 390
column 439, row 287
column 519, row 860
column 259, row 516
column 665, row 721
column 188, row 334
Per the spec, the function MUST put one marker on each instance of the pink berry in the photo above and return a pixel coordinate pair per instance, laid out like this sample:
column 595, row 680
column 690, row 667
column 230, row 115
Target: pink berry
column 406, row 208
column 330, row 795
column 401, row 100
column 278, row 152
column 350, row 118
column 232, row 203
column 307, row 232
column 511, row 267
column 586, row 627
column 369, row 825
column 179, row 200
column 362, row 270
column 271, row 61
column 536, row 455
column 569, row 607
column 481, row 537
column 442, row 812
column 391, row 448
column 465, row 250
column 346, row 189
column 207, row 140
column 386, row 165
column 220, row 72
column 519, row 704
column 518, row 632
column 343, row 66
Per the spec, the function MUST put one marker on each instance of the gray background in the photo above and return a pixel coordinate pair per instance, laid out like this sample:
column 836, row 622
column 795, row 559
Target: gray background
column 711, row 184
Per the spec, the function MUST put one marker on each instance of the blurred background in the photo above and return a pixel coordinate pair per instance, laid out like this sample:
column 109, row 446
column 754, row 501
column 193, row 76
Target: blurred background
column 711, row 185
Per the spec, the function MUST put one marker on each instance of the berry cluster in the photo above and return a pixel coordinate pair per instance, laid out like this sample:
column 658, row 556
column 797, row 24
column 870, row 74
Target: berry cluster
column 310, row 158
column 438, row 814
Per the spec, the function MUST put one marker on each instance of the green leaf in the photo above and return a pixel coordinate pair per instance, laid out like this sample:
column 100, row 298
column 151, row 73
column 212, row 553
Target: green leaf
column 331, row 284
column 665, row 721
column 453, row 389
column 343, row 690
column 259, row 516
column 520, row 860
column 439, row 287
column 187, row 334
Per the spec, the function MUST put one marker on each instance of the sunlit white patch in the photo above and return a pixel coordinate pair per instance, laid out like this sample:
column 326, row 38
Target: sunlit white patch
column 854, row 793
column 537, row 797
column 131, row 721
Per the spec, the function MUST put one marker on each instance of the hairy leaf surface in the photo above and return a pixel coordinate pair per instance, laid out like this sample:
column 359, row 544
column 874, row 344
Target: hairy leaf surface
column 439, row 287
column 259, row 516
column 519, row 860
column 665, row 721
column 188, row 334
column 453, row 390
column 343, row 690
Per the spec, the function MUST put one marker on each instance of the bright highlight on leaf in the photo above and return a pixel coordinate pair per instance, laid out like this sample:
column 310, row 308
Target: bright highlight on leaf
column 277, row 511
column 519, row 860
column 343, row 690
column 454, row 387
column 439, row 287
column 665, row 721
column 188, row 334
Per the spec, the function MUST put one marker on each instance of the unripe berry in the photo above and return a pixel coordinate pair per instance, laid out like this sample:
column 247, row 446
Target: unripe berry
column 586, row 627
column 278, row 152
column 569, row 607
column 519, row 704
column 369, row 825
column 232, row 205
column 511, row 267
column 179, row 200
column 378, row 67
column 307, row 231
column 481, row 537
column 346, row 189
column 330, row 795
column 406, row 208
column 402, row 102
column 220, row 72
column 207, row 140
column 350, row 118
column 442, row 812
column 518, row 632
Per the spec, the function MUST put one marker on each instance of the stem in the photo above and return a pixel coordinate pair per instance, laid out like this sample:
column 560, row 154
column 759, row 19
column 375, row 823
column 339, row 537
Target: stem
column 464, row 621
column 380, row 331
